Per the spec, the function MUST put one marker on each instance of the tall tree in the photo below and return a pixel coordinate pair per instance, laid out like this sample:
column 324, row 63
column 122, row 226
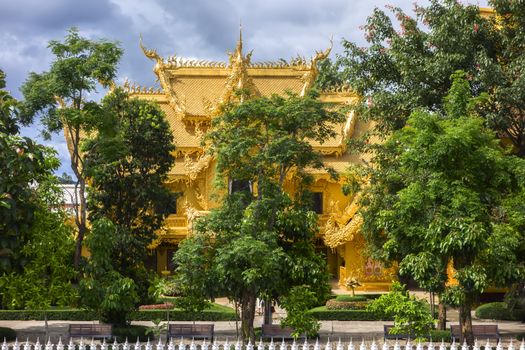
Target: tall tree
column 127, row 161
column 61, row 98
column 23, row 163
column 407, row 65
column 435, row 197
column 259, row 243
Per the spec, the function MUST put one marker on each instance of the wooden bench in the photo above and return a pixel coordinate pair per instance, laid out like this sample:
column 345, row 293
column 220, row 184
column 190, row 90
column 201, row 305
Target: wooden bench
column 276, row 331
column 388, row 335
column 90, row 330
column 194, row 331
column 481, row 331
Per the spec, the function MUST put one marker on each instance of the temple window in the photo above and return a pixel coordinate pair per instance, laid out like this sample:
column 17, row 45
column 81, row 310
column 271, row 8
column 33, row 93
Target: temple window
column 317, row 202
column 240, row 186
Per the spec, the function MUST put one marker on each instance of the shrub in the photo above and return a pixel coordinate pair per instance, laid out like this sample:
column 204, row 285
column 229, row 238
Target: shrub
column 217, row 313
column 411, row 315
column 350, row 298
column 297, row 303
column 131, row 333
column 335, row 304
column 499, row 311
column 164, row 286
column 7, row 333
column 69, row 314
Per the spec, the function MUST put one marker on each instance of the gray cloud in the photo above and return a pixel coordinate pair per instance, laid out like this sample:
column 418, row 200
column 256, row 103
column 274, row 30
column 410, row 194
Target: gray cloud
column 200, row 28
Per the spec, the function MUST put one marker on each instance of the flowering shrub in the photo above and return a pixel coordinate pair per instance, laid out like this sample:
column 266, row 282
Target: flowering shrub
column 334, row 304
column 156, row 306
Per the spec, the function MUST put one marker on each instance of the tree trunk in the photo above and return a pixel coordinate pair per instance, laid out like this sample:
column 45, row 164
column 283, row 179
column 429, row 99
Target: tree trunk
column 247, row 315
column 268, row 311
column 442, row 316
column 81, row 220
column 465, row 321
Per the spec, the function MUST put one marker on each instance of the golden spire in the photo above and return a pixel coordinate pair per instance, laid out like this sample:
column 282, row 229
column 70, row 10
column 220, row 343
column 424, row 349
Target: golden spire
column 239, row 78
column 239, row 43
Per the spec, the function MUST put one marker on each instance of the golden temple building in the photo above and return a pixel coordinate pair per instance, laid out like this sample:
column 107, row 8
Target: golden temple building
column 191, row 91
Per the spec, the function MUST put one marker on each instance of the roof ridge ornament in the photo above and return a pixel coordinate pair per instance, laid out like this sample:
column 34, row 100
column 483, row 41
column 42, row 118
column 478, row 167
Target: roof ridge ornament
column 238, row 78
column 309, row 77
column 163, row 77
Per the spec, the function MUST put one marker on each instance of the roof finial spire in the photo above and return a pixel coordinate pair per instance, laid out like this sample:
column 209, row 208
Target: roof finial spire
column 239, row 43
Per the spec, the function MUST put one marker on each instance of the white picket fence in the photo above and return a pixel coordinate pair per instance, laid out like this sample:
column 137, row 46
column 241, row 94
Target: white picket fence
column 184, row 344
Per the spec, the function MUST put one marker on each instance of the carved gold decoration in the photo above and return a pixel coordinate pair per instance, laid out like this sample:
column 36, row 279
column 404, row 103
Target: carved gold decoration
column 194, row 167
column 163, row 77
column 238, row 78
column 309, row 77
column 342, row 227
column 133, row 88
column 366, row 269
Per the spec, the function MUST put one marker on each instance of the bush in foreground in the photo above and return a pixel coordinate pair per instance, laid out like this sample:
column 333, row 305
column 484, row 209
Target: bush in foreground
column 499, row 311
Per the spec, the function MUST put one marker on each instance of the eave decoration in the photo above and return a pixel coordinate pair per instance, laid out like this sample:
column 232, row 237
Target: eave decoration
column 342, row 227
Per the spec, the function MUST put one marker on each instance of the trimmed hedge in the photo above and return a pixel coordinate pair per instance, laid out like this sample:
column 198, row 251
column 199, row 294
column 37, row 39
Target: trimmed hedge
column 321, row 313
column 349, row 298
column 499, row 311
column 216, row 313
column 70, row 315
column 7, row 333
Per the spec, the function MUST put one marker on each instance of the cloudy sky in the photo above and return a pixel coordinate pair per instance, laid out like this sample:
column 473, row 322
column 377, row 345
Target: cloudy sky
column 204, row 29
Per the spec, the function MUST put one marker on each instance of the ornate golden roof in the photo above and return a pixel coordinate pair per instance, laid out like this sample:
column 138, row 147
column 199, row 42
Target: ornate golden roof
column 193, row 91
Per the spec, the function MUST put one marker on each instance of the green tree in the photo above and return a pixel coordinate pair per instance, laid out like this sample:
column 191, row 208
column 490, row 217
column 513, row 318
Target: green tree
column 436, row 196
column 407, row 65
column 127, row 162
column 46, row 278
column 103, row 288
column 23, row 163
column 259, row 243
column 61, row 96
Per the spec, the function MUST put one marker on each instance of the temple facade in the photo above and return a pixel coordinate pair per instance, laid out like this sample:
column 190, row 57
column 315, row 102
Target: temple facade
column 191, row 93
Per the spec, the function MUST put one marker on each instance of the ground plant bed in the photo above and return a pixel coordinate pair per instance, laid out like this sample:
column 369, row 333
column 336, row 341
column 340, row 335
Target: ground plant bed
column 214, row 313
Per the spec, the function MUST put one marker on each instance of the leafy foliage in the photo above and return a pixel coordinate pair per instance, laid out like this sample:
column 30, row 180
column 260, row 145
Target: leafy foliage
column 127, row 161
column 104, row 289
column 23, row 163
column 46, row 278
column 435, row 196
column 260, row 244
column 297, row 303
column 408, row 62
column 60, row 98
column 411, row 315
